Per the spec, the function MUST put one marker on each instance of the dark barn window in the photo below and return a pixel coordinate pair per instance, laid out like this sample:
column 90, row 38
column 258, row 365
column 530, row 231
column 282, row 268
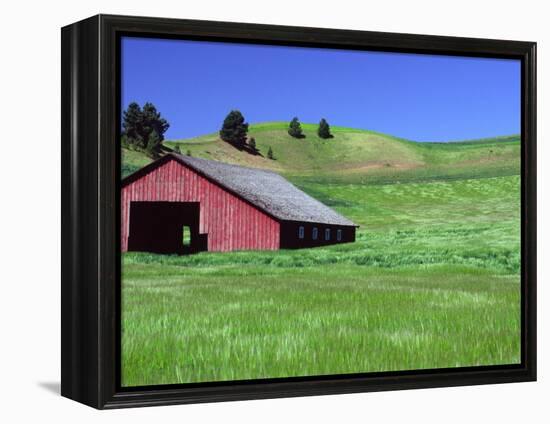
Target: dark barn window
column 314, row 233
column 301, row 232
column 327, row 234
column 339, row 235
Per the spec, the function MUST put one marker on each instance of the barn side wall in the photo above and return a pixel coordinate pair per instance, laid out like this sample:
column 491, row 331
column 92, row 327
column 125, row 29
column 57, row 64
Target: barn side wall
column 231, row 223
column 290, row 238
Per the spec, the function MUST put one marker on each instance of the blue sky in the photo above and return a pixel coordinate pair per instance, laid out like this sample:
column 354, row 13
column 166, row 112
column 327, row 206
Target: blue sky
column 194, row 84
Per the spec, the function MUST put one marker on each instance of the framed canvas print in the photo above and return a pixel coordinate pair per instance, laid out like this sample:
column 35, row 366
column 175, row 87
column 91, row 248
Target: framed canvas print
column 255, row 211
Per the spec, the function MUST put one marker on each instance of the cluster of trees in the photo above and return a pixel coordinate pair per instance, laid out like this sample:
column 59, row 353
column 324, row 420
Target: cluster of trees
column 295, row 129
column 234, row 131
column 143, row 128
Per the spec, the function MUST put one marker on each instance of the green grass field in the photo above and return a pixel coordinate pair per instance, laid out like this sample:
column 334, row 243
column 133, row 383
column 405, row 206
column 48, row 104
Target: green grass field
column 432, row 280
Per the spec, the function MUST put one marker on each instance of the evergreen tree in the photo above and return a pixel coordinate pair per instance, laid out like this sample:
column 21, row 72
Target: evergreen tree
column 234, row 129
column 154, row 127
column 295, row 129
column 154, row 141
column 252, row 143
column 143, row 128
column 270, row 153
column 324, row 129
column 177, row 149
column 132, row 122
column 188, row 153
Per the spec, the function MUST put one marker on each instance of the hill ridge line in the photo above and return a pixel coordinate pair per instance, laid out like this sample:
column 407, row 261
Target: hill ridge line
column 283, row 125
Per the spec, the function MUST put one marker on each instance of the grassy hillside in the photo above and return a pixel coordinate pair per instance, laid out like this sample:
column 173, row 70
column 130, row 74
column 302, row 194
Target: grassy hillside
column 353, row 155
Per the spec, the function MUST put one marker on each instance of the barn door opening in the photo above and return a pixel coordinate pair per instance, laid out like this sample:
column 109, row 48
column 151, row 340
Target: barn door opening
column 186, row 236
column 165, row 227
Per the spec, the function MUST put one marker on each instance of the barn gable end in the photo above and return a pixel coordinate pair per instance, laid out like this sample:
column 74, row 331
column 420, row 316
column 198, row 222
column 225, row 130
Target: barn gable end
column 229, row 222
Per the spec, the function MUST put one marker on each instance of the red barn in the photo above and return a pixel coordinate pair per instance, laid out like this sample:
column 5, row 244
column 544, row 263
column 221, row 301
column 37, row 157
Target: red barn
column 181, row 204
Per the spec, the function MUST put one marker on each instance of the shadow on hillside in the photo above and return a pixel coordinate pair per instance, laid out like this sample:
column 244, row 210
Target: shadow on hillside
column 165, row 149
column 245, row 148
column 242, row 148
column 250, row 150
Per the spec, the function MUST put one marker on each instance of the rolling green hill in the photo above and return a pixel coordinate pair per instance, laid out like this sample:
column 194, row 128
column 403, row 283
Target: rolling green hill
column 352, row 155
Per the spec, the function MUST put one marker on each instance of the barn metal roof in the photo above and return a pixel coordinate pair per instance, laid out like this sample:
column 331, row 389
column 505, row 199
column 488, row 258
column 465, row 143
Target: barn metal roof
column 267, row 190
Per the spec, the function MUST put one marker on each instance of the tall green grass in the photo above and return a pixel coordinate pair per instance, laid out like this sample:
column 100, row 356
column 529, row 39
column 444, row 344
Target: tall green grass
column 432, row 281
column 181, row 325
column 417, row 205
column 477, row 246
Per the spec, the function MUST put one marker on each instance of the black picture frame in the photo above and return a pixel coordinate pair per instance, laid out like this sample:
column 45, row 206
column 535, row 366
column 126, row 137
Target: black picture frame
column 90, row 286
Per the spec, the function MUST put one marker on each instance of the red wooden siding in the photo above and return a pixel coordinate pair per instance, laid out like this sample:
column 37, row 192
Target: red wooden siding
column 231, row 223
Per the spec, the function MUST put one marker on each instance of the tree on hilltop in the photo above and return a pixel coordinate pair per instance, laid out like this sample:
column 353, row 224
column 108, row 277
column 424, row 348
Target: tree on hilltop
column 295, row 128
column 324, row 129
column 234, row 129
